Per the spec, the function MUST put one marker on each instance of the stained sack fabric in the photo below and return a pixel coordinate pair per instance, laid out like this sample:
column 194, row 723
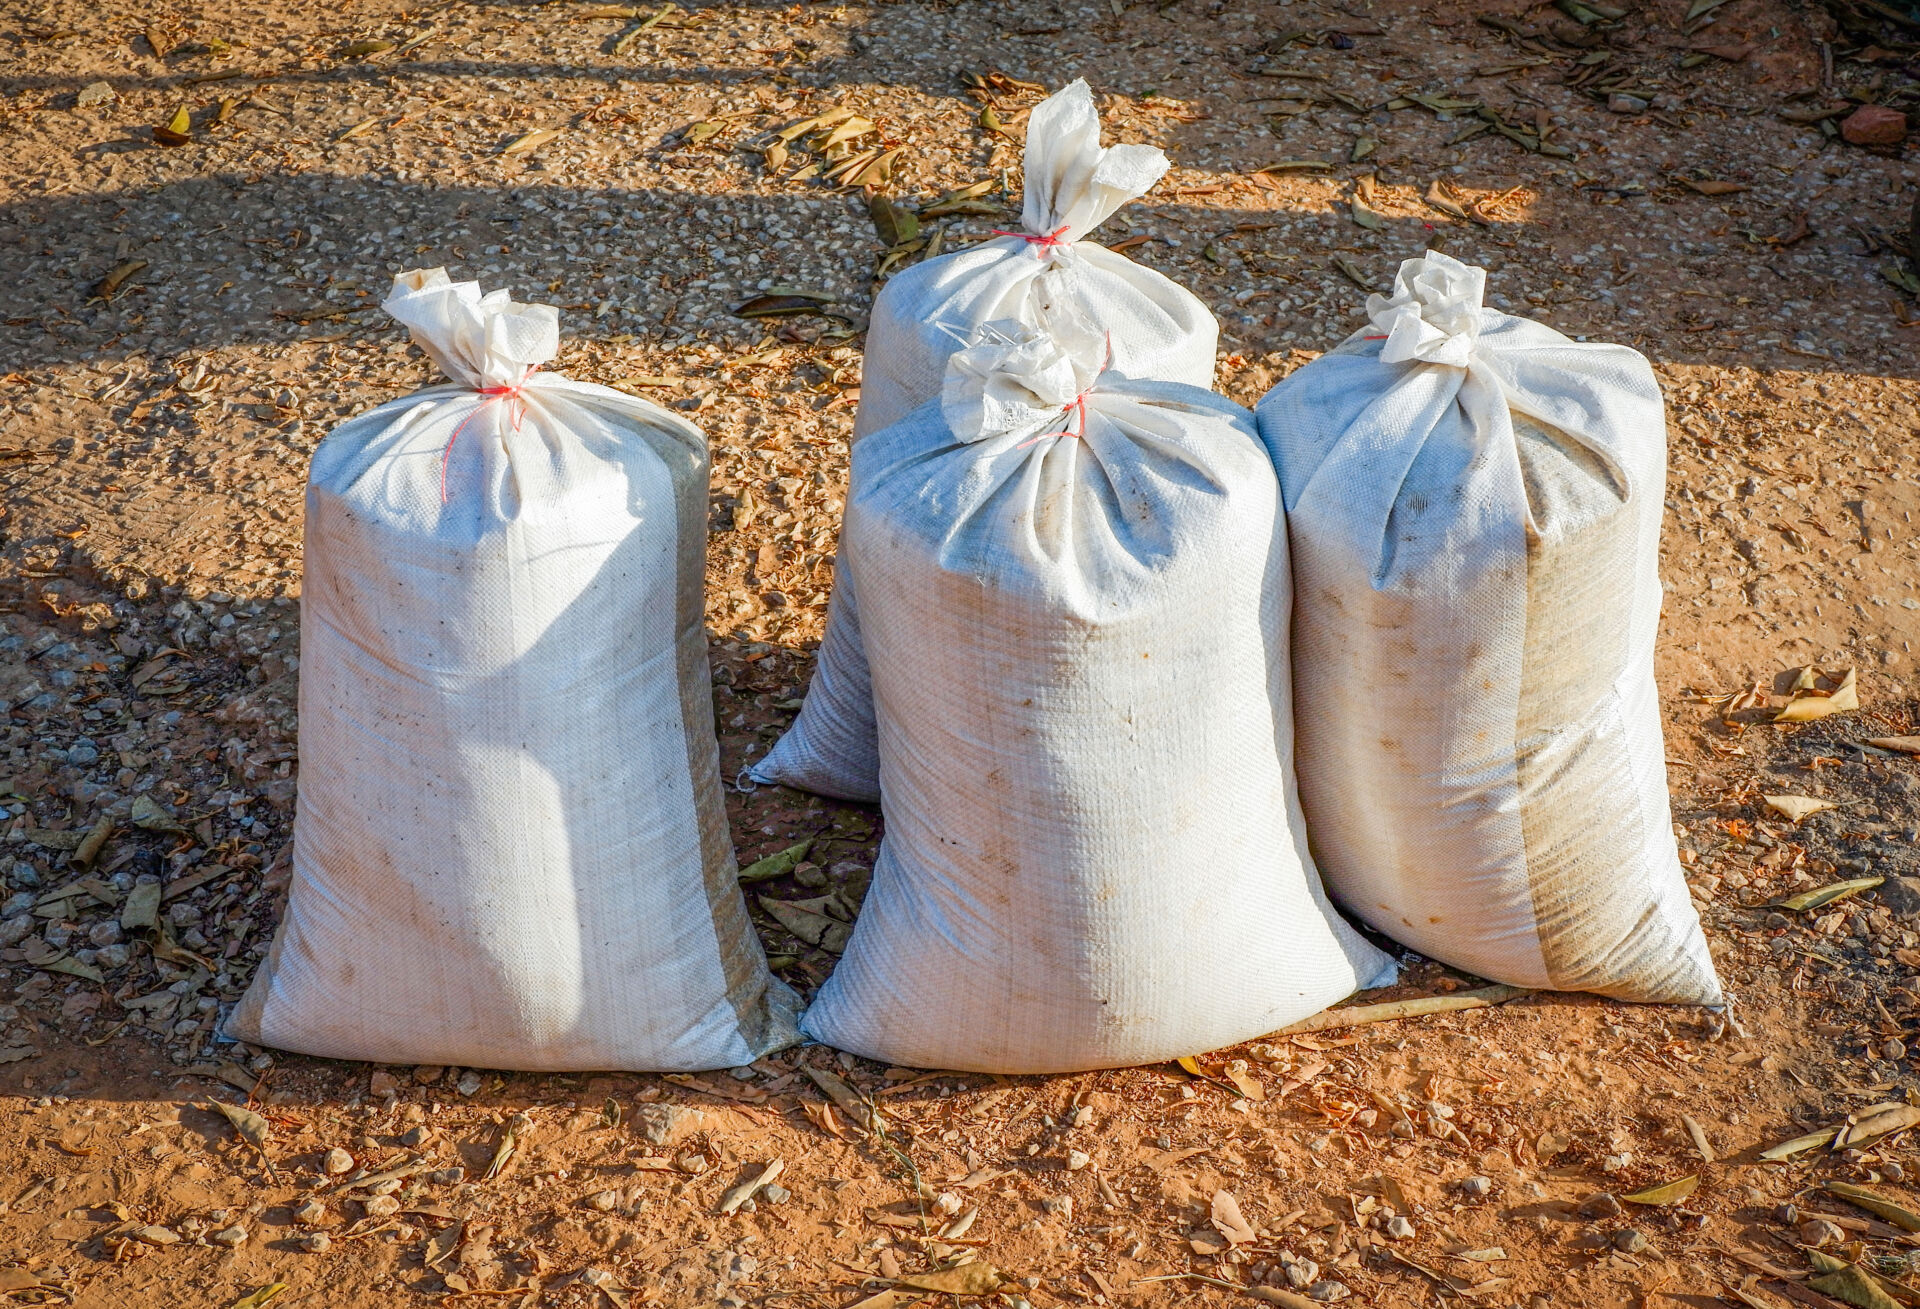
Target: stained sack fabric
column 1475, row 502
column 1046, row 273
column 511, row 849
column 1074, row 604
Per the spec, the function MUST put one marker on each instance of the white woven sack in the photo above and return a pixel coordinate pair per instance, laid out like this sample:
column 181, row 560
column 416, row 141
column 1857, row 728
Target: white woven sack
column 1047, row 272
column 511, row 849
column 1074, row 601
column 1475, row 502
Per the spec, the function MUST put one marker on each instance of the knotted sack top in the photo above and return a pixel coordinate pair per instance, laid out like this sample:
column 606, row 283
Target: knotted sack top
column 1072, row 183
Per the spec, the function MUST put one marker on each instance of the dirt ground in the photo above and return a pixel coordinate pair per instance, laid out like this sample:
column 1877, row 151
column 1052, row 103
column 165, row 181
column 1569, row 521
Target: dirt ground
column 185, row 321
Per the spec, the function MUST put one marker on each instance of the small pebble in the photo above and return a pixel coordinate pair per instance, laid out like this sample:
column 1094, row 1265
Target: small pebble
column 383, row 1084
column 1077, row 1159
column 229, row 1237
column 1894, row 1048
column 447, row 1176
column 1082, row 1116
column 1601, row 1204
column 1061, row 1205
column 1400, row 1228
column 1476, row 1187
column 1788, row 1214
column 1893, row 1172
column 775, row 1194
column 1629, row 1240
column 603, row 1201
column 1817, row 1232
column 415, row 1137
column 336, row 1162
column 1301, row 1273
column 156, row 1236
column 469, row 1083
column 947, row 1204
column 1326, row 1292
column 380, row 1206
column 314, row 1243
column 310, row 1213
column 426, row 1074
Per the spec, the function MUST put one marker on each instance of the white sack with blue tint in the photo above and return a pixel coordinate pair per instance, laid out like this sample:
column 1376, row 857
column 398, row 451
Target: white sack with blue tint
column 1475, row 505
column 1047, row 273
column 511, row 849
column 1074, row 601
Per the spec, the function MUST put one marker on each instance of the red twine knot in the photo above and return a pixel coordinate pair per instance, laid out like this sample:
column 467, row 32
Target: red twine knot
column 1047, row 242
column 491, row 393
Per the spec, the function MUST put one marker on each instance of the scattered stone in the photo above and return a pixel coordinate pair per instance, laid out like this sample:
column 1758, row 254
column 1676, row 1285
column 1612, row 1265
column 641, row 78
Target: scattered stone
column 313, row 1243
column 1329, row 1291
column 415, row 1137
column 1400, row 1228
column 1787, row 1214
column 311, row 1213
column 1892, row 1171
column 1629, row 1240
column 663, row 1124
column 946, row 1204
column 1622, row 103
column 1901, row 895
column 229, row 1237
column 1874, row 125
column 1601, row 1204
column 469, row 1083
column 427, row 1074
column 603, row 1202
column 380, row 1206
column 1082, row 1116
column 1476, row 1187
column 1077, row 1159
column 1061, row 1206
column 383, row 1085
column 774, row 1193
column 336, row 1162
column 95, row 93
column 1893, row 1048
column 1300, row 1273
column 156, row 1235
column 447, row 1176
column 1818, row 1232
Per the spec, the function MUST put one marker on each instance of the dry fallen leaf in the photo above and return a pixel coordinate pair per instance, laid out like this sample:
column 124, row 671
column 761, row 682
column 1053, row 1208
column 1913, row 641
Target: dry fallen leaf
column 530, row 141
column 1877, row 1205
column 1871, row 1128
column 1714, row 188
column 260, row 1298
column 745, row 1190
column 1795, row 808
column 959, row 1279
column 441, row 1245
column 1898, row 744
column 1669, row 1193
column 177, row 130
column 251, row 1126
column 1809, row 702
column 1228, row 1221
column 1828, row 894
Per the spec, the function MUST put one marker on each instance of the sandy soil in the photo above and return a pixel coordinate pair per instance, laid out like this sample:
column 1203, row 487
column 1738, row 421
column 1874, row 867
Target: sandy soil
column 185, row 321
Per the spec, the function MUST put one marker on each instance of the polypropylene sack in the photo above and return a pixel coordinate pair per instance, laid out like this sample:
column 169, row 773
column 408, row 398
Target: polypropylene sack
column 1047, row 272
column 511, row 849
column 1074, row 602
column 1475, row 505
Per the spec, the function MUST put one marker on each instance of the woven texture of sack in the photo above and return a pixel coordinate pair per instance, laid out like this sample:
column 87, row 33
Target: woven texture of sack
column 1093, row 852
column 1047, row 275
column 1474, row 503
column 511, row 847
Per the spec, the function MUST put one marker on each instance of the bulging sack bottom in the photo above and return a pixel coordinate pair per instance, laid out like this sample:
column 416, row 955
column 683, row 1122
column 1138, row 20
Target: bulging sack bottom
column 511, row 848
column 1045, row 275
column 1093, row 852
column 1475, row 505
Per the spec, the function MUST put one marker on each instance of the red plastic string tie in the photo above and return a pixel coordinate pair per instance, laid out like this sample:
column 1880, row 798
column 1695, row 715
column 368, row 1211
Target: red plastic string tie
column 1079, row 402
column 1047, row 242
column 492, row 393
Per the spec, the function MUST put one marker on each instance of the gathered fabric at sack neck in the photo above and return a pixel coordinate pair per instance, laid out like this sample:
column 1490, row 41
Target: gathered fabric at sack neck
column 1017, row 379
column 1072, row 183
column 1434, row 315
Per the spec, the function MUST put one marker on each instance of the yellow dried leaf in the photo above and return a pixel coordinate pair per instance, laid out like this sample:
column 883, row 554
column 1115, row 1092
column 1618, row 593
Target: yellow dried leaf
column 260, row 1298
column 1808, row 703
column 178, row 130
column 959, row 1279
column 1877, row 1205
column 531, row 141
column 1795, row 808
column 1670, row 1193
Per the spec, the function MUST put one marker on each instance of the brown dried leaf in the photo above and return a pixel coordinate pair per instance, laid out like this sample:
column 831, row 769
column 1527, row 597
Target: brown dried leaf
column 177, row 130
column 1857, row 1136
column 1877, row 1205
column 1228, row 1221
column 117, row 277
column 1710, row 187
column 1809, row 703
column 441, row 1245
